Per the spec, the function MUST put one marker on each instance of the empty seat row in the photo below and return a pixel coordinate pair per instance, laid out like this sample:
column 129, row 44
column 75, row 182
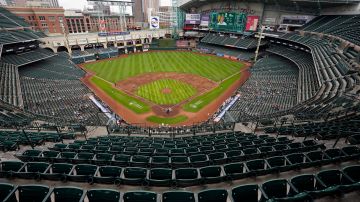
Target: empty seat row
column 303, row 188
column 161, row 158
column 180, row 176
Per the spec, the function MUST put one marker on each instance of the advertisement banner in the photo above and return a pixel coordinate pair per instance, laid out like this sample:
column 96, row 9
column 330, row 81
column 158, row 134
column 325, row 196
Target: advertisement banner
column 154, row 22
column 252, row 23
column 205, row 21
column 193, row 19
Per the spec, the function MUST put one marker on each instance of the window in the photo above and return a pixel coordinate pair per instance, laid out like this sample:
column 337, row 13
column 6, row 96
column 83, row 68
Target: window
column 33, row 17
column 52, row 18
column 42, row 18
column 29, row 17
column 44, row 24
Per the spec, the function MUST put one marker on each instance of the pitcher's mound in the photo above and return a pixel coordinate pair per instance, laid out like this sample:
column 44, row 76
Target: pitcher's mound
column 166, row 91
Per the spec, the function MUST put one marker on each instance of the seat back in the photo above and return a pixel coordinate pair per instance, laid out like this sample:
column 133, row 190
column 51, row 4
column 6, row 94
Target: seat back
column 275, row 188
column 353, row 172
column 140, row 196
column 103, row 195
column 110, row 171
column 257, row 164
column 210, row 171
column 330, row 177
column 37, row 167
column 69, row 194
column 276, row 161
column 233, row 168
column 161, row 174
column 5, row 190
column 85, row 169
column 304, row 182
column 32, row 192
column 63, row 168
column 213, row 195
column 11, row 165
column 186, row 173
column 248, row 193
column 178, row 196
column 133, row 172
column 198, row 158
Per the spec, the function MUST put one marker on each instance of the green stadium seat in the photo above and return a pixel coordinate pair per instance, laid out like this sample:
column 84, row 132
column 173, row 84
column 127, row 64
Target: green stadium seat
column 48, row 156
column 177, row 152
column 192, row 151
column 134, row 176
column 247, row 192
column 33, row 170
column 186, row 177
column 257, row 167
column 278, row 164
column 122, row 160
column 217, row 158
column 179, row 161
column 103, row 159
column 211, row 174
column 265, row 151
column 178, row 196
column 29, row 193
column 108, row 175
column 159, row 162
column 29, row 155
column 139, row 161
column 336, row 155
column 298, row 160
column 131, row 150
column 334, row 181
column 140, row 196
column 251, row 153
column 234, row 171
column 87, row 148
column 58, row 171
column 67, row 194
column 318, row 158
column 279, row 190
column 146, row 151
column 213, row 195
column 66, row 157
column 199, row 160
column 160, row 177
column 9, row 168
column 103, row 195
column 353, row 173
column 9, row 145
column 84, row 158
column 5, row 190
column 75, row 147
column 352, row 152
column 235, row 155
column 83, row 173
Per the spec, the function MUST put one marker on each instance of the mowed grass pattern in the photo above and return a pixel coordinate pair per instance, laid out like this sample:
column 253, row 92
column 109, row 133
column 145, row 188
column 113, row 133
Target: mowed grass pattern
column 154, row 91
column 211, row 67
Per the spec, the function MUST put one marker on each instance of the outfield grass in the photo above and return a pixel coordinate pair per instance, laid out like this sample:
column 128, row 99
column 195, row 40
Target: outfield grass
column 154, row 91
column 169, row 120
column 199, row 102
column 129, row 102
column 211, row 67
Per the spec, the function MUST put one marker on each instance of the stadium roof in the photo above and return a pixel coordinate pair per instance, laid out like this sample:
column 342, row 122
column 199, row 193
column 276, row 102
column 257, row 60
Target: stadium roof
column 187, row 4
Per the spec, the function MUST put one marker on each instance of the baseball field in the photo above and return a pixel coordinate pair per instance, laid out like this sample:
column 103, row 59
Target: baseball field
column 164, row 87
